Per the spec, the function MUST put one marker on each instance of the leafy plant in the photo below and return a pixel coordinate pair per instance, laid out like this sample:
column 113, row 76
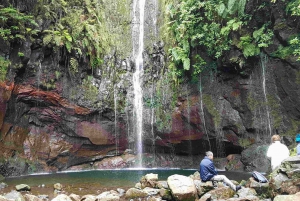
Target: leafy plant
column 90, row 91
column 79, row 28
column 4, row 64
column 15, row 25
column 198, row 24
column 293, row 7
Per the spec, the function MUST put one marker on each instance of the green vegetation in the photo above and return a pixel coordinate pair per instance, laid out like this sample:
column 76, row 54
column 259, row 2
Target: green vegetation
column 164, row 102
column 16, row 26
column 293, row 7
column 293, row 47
column 208, row 25
column 4, row 64
column 90, row 91
column 209, row 103
column 78, row 27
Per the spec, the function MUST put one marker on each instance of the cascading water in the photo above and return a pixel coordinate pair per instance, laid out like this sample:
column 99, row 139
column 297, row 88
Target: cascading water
column 190, row 148
column 202, row 111
column 116, row 131
column 152, row 122
column 263, row 61
column 138, row 27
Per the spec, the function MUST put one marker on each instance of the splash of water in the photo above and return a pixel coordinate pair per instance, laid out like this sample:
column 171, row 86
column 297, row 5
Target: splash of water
column 116, row 132
column 137, row 77
column 202, row 111
column 263, row 61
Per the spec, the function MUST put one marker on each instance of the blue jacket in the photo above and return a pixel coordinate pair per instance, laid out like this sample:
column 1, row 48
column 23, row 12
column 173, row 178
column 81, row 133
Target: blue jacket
column 207, row 169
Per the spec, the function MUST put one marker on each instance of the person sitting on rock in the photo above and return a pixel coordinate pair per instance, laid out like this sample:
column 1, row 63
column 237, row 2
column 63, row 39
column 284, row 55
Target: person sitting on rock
column 277, row 152
column 208, row 172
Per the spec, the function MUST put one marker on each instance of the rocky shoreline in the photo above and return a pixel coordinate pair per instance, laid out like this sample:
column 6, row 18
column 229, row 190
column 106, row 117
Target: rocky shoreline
column 283, row 185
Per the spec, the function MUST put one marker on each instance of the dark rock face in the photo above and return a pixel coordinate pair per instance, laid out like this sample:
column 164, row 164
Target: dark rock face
column 57, row 120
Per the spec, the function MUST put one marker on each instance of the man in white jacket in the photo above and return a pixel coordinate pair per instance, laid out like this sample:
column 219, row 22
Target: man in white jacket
column 277, row 152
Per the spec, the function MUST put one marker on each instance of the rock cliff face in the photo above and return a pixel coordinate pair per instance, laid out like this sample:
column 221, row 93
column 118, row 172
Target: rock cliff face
column 52, row 119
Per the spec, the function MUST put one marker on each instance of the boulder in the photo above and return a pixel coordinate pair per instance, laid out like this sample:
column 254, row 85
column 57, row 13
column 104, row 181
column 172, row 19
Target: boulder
column 29, row 197
column 165, row 194
column 62, row 197
column 195, row 176
column 14, row 195
column 88, row 198
column 135, row 193
column 234, row 163
column 245, row 192
column 74, row 197
column 247, row 198
column 286, row 178
column 205, row 197
column 203, row 187
column 3, row 185
column 22, row 187
column 2, row 198
column 260, row 188
column 151, row 191
column 221, row 193
column 254, row 158
column 149, row 180
column 109, row 196
column 287, row 197
column 57, row 186
column 162, row 184
column 182, row 188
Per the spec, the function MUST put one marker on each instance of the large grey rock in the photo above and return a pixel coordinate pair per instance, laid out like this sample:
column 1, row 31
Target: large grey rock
column 151, row 191
column 109, row 196
column 14, row 195
column 62, row 197
column 182, row 188
column 135, row 193
column 221, row 193
column 286, row 178
column 29, row 197
column 165, row 194
column 203, row 187
column 254, row 158
column 23, row 187
column 294, row 197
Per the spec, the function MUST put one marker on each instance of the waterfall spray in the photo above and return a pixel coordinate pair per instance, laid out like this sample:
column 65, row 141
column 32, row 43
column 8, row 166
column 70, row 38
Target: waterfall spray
column 137, row 76
column 263, row 61
column 116, row 133
column 202, row 111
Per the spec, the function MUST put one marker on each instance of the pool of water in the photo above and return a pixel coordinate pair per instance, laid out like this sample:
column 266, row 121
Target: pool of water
column 97, row 181
column 110, row 178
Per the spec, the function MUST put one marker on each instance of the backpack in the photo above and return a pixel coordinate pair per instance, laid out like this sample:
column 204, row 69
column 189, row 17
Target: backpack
column 297, row 138
column 259, row 177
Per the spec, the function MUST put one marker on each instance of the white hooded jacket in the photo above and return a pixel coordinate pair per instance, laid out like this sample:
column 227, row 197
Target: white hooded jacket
column 277, row 152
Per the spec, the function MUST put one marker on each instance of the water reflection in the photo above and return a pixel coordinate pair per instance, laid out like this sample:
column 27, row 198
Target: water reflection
column 110, row 178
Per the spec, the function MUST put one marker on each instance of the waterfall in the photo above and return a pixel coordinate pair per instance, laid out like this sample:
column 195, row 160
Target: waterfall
column 152, row 122
column 263, row 61
column 190, row 148
column 116, row 132
column 138, row 27
column 202, row 111
column 39, row 74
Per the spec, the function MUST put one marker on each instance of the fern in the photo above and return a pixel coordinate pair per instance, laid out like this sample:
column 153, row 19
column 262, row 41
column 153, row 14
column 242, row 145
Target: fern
column 73, row 65
column 186, row 64
column 221, row 9
column 241, row 7
column 47, row 39
column 231, row 6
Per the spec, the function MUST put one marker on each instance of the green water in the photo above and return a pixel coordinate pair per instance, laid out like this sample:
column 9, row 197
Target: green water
column 108, row 178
